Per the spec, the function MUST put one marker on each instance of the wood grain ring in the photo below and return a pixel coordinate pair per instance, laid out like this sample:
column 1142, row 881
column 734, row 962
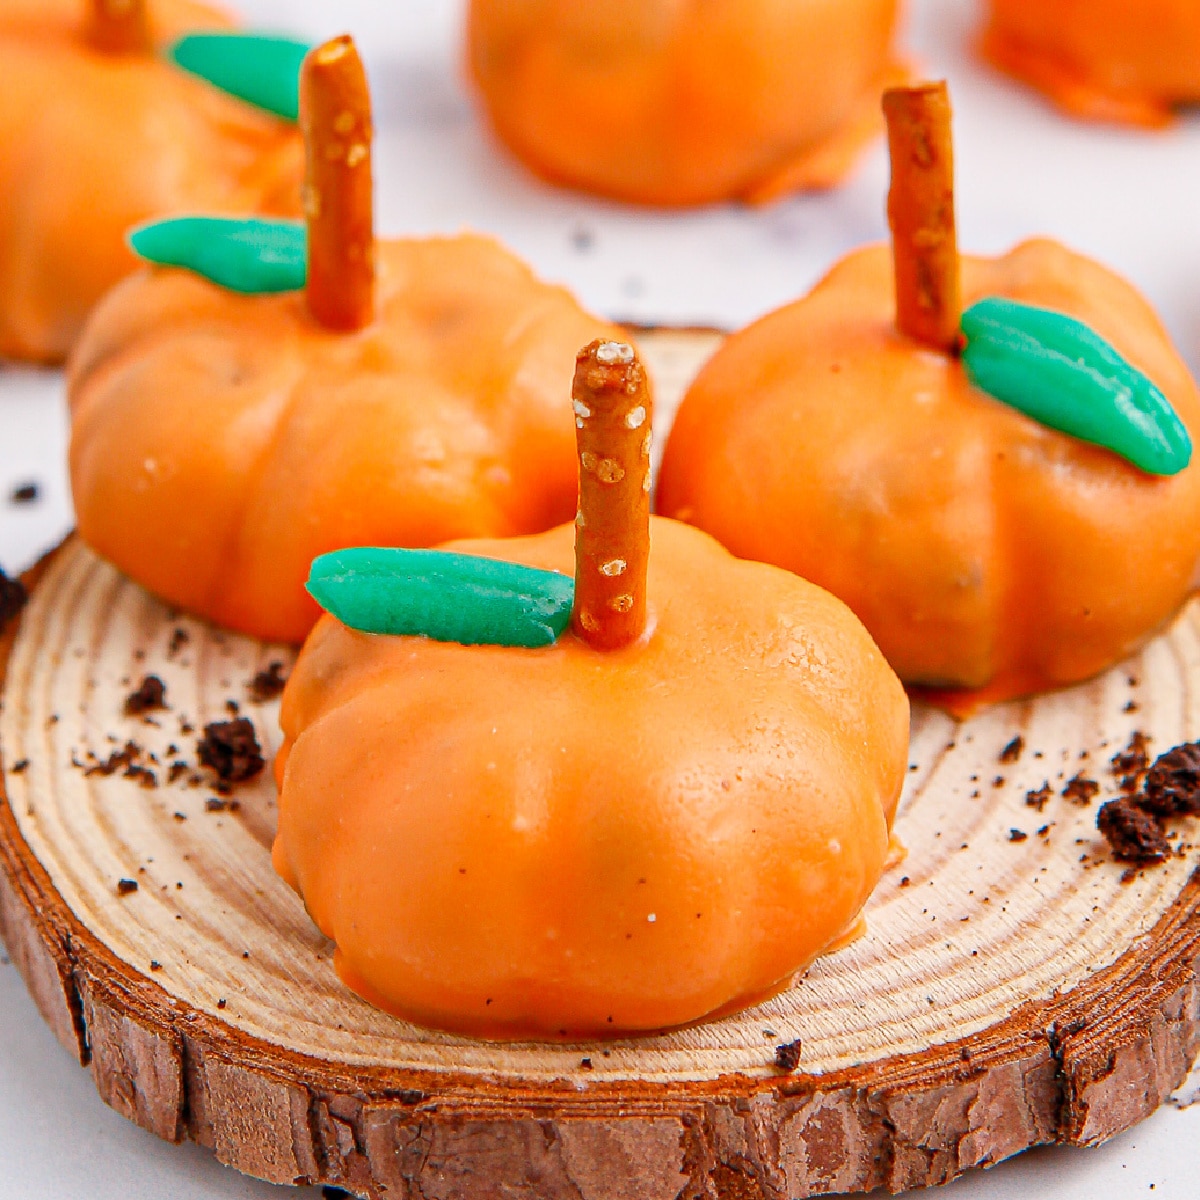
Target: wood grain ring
column 1076, row 1017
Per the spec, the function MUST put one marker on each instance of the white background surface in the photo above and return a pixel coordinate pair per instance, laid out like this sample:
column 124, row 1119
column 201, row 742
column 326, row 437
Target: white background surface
column 1128, row 198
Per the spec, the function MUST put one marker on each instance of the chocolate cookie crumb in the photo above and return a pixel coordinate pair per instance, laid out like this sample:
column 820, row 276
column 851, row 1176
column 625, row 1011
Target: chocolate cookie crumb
column 150, row 695
column 1131, row 763
column 177, row 770
column 145, row 777
column 25, row 493
column 231, row 749
column 19, row 767
column 118, row 760
column 268, row 684
column 905, row 881
column 1133, row 834
column 221, row 1003
column 586, row 1063
column 126, row 887
column 787, row 1056
column 218, row 804
column 12, row 598
column 1081, row 790
column 1017, row 835
column 1013, row 751
column 179, row 638
column 1172, row 785
column 1038, row 798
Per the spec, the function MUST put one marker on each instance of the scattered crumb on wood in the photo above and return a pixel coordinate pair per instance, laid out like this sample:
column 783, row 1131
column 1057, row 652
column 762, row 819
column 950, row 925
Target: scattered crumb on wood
column 1013, row 750
column 1080, row 790
column 148, row 696
column 787, row 1055
column 231, row 749
column 1172, row 785
column 1132, row 762
column 1133, row 835
column 1039, row 796
column 267, row 684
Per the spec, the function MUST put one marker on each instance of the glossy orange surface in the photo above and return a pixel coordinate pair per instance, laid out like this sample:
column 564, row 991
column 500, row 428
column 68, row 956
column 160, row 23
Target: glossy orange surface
column 93, row 143
column 1114, row 60
column 676, row 103
column 981, row 549
column 565, row 842
column 220, row 442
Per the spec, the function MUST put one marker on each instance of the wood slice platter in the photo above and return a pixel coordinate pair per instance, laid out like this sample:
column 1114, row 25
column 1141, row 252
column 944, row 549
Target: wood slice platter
column 1010, row 988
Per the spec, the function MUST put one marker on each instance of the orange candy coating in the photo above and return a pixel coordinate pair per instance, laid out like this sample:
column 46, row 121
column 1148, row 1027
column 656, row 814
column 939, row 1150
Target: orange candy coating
column 981, row 549
column 565, row 842
column 92, row 143
column 668, row 103
column 220, row 442
column 1131, row 61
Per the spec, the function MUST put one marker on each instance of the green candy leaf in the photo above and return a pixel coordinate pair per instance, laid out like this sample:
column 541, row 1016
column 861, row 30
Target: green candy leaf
column 256, row 67
column 1056, row 370
column 444, row 596
column 252, row 256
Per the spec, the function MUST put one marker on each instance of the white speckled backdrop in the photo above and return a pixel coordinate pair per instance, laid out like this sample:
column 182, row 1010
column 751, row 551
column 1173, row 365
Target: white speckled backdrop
column 1128, row 198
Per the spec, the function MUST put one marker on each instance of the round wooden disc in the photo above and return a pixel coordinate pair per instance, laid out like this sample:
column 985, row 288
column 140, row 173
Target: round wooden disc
column 1013, row 985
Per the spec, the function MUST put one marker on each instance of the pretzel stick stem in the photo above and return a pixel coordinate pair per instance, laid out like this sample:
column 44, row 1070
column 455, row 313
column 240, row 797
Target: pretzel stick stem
column 335, row 117
column 612, row 529
column 921, row 215
column 118, row 26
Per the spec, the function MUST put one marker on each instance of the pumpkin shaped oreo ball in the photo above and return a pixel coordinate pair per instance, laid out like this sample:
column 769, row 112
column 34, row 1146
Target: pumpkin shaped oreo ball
column 669, row 103
column 1131, row 61
column 401, row 392
column 529, row 806
column 102, row 127
column 1004, row 498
